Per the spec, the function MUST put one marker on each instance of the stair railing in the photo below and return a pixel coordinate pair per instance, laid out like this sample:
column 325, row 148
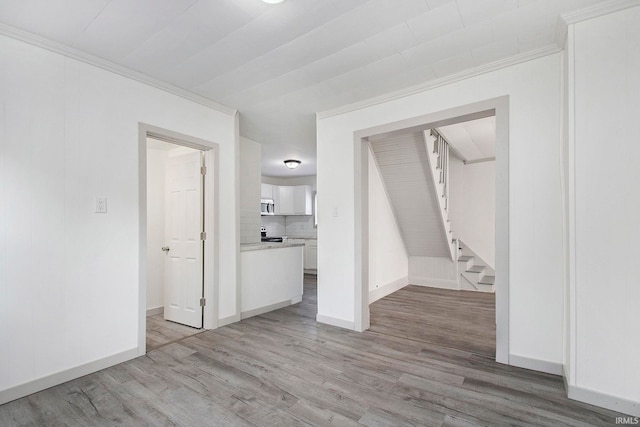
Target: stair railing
column 441, row 148
column 438, row 158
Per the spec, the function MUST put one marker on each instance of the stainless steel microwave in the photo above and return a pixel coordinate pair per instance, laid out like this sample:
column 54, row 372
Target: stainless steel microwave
column 267, row 207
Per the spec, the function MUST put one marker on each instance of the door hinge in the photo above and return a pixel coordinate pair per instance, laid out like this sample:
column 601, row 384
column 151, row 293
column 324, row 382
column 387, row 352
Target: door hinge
column 203, row 170
column 203, row 302
column 203, row 236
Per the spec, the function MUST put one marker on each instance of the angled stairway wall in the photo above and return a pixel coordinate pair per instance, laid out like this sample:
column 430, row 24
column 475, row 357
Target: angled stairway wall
column 388, row 260
column 404, row 166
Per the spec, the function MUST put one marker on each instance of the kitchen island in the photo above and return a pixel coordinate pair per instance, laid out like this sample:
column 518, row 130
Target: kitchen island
column 271, row 276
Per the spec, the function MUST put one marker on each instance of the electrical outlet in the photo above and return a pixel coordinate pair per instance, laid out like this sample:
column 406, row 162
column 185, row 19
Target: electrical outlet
column 101, row 205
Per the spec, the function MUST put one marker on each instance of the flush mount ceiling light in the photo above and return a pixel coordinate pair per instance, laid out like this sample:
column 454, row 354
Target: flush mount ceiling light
column 273, row 1
column 291, row 164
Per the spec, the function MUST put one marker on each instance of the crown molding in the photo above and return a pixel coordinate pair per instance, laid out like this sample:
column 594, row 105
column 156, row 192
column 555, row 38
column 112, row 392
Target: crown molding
column 587, row 13
column 59, row 48
column 443, row 81
column 599, row 9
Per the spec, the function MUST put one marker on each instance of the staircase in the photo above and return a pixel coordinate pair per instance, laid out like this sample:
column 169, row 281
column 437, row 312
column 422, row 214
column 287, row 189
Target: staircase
column 438, row 157
column 474, row 273
column 414, row 167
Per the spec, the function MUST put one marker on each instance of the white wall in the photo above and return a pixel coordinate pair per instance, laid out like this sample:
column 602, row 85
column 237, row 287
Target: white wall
column 250, row 165
column 388, row 261
column 606, row 150
column 472, row 206
column 437, row 272
column 535, row 218
column 69, row 278
column 156, row 176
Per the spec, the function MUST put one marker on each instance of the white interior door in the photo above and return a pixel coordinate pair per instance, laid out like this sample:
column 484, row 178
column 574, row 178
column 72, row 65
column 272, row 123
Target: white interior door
column 183, row 261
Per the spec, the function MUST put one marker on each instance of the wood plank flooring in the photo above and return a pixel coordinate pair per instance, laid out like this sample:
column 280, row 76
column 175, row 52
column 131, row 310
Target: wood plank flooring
column 162, row 332
column 456, row 319
column 284, row 369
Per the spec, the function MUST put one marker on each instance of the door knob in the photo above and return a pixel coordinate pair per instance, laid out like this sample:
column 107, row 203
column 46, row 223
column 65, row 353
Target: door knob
column 165, row 248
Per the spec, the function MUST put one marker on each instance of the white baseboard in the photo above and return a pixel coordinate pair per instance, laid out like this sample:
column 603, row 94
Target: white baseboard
column 535, row 364
column 296, row 300
column 434, row 283
column 340, row 323
column 43, row 383
column 155, row 310
column 228, row 320
column 603, row 400
column 389, row 288
column 266, row 309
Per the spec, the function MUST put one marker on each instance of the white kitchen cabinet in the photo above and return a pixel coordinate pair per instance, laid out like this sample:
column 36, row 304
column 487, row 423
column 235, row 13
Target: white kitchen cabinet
column 293, row 199
column 311, row 254
column 266, row 191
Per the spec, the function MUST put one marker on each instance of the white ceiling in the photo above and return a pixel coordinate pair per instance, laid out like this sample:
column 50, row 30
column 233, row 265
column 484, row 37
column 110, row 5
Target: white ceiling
column 280, row 64
column 472, row 140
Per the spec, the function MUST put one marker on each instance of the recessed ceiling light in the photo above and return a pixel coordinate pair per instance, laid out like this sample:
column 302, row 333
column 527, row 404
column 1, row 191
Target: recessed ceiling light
column 273, row 1
column 292, row 164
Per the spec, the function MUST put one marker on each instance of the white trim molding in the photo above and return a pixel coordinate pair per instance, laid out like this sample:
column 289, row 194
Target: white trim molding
column 267, row 308
column 598, row 9
column 228, row 320
column 430, row 282
column 546, row 366
column 443, row 81
column 155, row 310
column 43, row 383
column 388, row 289
column 333, row 321
column 69, row 52
column 603, row 400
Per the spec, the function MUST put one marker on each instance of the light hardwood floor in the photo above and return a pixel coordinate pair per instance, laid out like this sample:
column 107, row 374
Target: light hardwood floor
column 162, row 332
column 455, row 319
column 284, row 369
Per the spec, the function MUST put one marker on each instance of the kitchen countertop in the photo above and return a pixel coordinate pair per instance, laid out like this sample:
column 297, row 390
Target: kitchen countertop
column 302, row 237
column 267, row 245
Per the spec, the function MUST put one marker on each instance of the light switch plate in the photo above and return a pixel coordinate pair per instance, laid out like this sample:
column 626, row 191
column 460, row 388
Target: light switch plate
column 101, row 205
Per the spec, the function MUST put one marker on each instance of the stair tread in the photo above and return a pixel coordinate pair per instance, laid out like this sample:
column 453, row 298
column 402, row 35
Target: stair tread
column 488, row 280
column 476, row 269
column 465, row 258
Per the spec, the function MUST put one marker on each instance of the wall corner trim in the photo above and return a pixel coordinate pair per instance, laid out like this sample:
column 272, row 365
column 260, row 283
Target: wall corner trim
column 51, row 380
column 333, row 321
column 603, row 400
column 546, row 366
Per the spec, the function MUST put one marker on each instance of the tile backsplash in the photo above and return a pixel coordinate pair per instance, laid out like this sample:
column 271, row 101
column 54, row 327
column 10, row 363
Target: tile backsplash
column 294, row 226
column 275, row 225
column 300, row 226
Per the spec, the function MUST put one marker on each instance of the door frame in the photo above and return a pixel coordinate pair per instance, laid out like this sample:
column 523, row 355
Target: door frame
column 498, row 106
column 211, row 223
